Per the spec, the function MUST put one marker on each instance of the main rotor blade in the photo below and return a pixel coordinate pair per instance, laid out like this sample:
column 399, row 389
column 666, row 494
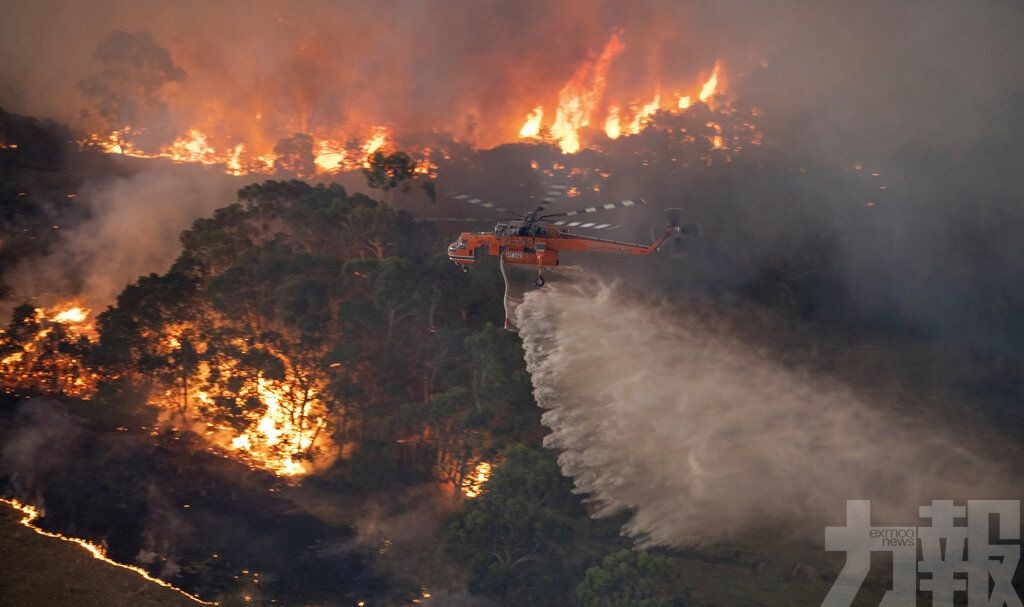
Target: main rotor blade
column 551, row 194
column 554, row 192
column 486, row 204
column 459, row 219
column 586, row 225
column 601, row 207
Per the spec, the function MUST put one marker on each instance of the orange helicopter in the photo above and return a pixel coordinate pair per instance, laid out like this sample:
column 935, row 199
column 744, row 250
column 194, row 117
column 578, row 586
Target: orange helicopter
column 534, row 239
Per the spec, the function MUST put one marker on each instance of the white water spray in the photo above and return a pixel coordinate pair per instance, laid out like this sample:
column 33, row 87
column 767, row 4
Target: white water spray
column 704, row 439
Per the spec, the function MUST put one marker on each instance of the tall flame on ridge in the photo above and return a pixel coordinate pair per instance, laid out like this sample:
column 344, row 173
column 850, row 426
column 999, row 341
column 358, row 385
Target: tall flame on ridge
column 711, row 85
column 585, row 93
column 612, row 128
column 579, row 98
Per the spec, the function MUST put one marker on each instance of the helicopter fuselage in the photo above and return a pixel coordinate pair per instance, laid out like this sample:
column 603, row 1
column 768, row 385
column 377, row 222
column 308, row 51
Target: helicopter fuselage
column 539, row 246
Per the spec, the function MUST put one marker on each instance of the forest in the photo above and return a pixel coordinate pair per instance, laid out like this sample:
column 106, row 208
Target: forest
column 307, row 345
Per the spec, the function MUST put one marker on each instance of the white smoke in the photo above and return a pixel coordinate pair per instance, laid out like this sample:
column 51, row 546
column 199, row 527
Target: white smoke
column 133, row 230
column 704, row 439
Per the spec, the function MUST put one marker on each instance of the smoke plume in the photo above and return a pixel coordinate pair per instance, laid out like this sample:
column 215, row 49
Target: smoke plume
column 705, row 439
column 133, row 230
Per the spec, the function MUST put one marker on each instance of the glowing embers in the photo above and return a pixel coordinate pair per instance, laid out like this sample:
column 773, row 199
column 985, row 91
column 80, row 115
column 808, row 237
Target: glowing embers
column 473, row 484
column 31, row 514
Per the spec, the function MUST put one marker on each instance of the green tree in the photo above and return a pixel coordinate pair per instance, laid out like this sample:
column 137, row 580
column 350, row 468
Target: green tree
column 630, row 578
column 513, row 537
column 397, row 291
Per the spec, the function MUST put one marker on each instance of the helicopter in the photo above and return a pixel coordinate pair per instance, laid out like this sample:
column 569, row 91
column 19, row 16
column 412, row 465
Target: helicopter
column 536, row 239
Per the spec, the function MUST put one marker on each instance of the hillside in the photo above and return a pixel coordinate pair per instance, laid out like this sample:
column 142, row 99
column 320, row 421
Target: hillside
column 37, row 570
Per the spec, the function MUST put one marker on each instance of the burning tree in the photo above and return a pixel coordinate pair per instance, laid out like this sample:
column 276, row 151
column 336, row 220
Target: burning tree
column 46, row 350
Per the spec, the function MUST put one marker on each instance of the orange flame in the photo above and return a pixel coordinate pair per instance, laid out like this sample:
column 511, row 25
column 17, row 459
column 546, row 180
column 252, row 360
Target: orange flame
column 473, row 485
column 276, row 439
column 72, row 315
column 579, row 97
column 531, row 128
column 612, row 128
column 644, row 114
column 708, row 90
column 330, row 155
column 241, row 140
column 40, row 363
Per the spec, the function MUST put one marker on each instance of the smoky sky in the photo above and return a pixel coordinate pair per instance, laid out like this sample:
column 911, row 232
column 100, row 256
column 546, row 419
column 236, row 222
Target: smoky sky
column 133, row 230
column 866, row 74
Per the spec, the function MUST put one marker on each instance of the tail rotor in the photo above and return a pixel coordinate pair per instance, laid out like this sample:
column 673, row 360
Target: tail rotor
column 674, row 246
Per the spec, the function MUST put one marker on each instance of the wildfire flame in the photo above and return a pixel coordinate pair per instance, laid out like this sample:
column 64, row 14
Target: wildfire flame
column 329, row 154
column 72, row 315
column 241, row 140
column 276, row 439
column 40, row 361
column 473, row 484
column 644, row 113
column 611, row 124
column 31, row 514
column 531, row 128
column 708, row 90
column 578, row 99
